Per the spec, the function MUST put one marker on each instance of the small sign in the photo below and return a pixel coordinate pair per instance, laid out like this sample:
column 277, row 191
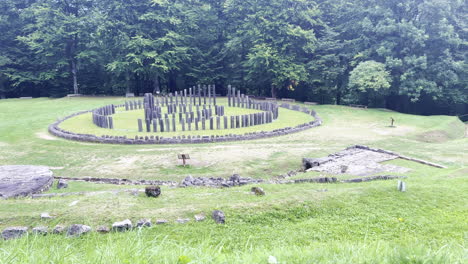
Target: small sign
column 183, row 157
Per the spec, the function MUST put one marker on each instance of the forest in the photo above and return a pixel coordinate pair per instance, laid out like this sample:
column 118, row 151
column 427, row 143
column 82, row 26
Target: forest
column 408, row 56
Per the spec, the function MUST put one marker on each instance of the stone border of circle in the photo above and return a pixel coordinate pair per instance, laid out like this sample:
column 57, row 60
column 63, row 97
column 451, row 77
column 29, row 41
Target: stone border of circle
column 55, row 130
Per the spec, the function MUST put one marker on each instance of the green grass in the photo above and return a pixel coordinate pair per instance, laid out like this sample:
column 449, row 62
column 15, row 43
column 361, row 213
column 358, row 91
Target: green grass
column 297, row 223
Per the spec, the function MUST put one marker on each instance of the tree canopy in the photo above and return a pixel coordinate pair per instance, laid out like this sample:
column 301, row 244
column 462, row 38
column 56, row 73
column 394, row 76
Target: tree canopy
column 410, row 56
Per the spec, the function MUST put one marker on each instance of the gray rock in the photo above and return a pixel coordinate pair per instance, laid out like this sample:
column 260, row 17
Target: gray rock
column 58, row 229
column 78, row 230
column 258, row 191
column 219, row 217
column 62, row 184
column 122, row 226
column 144, row 223
column 103, row 229
column 40, row 230
column 235, row 178
column 14, row 232
column 161, row 221
column 182, row 220
column 199, row 217
column 153, row 191
column 24, row 180
column 46, row 216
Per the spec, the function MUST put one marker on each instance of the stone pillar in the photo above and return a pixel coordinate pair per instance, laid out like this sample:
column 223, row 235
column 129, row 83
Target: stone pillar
column 203, row 123
column 174, row 124
column 183, row 124
column 199, row 95
column 140, row 125
column 214, row 94
column 196, row 124
column 161, row 125
column 204, row 94
column 211, row 123
column 225, row 122
column 111, row 122
column 233, row 124
column 229, row 95
column 148, row 125
column 168, row 126
column 237, row 122
column 209, row 94
column 189, row 124
column 155, row 125
column 218, row 123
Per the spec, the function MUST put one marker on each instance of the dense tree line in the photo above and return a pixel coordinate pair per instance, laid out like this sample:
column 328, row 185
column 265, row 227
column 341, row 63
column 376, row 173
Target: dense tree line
column 405, row 55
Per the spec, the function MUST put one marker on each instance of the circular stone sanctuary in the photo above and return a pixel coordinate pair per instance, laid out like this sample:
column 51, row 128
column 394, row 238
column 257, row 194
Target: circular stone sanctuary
column 194, row 115
column 24, row 180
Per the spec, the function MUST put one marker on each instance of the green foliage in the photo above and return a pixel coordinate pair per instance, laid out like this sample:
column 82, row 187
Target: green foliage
column 284, row 48
column 370, row 76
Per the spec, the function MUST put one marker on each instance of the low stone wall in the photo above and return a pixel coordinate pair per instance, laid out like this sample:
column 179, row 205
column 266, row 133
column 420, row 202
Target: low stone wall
column 54, row 129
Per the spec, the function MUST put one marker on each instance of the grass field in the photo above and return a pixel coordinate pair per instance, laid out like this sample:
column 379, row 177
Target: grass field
column 298, row 223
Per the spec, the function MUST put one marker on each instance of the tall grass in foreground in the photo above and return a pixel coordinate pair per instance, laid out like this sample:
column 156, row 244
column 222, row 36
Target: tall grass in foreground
column 147, row 246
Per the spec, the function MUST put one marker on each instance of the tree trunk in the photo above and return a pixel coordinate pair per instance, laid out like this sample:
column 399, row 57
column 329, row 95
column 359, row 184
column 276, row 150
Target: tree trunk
column 75, row 81
column 273, row 91
column 156, row 85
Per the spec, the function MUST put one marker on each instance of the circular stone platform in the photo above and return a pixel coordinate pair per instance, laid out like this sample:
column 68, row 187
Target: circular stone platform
column 24, row 180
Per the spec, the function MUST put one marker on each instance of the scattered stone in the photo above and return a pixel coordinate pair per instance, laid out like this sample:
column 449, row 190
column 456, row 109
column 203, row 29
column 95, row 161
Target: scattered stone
column 344, row 168
column 40, row 230
column 161, row 221
column 219, row 217
column 122, row 226
column 103, row 229
column 14, row 232
column 153, row 191
column 258, row 191
column 234, row 180
column 62, row 184
column 58, row 229
column 78, row 230
column 134, row 192
column 200, row 217
column 401, row 186
column 46, row 216
column 144, row 223
column 182, row 220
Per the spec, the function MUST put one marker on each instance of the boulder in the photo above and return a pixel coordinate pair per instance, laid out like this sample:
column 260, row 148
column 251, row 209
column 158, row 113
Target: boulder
column 219, row 217
column 14, row 232
column 78, row 230
column 144, row 223
column 103, row 229
column 153, row 191
column 62, row 184
column 257, row 191
column 58, row 229
column 40, row 230
column 122, row 226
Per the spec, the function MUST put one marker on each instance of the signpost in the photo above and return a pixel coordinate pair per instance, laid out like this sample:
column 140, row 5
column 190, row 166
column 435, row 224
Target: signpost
column 183, row 157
